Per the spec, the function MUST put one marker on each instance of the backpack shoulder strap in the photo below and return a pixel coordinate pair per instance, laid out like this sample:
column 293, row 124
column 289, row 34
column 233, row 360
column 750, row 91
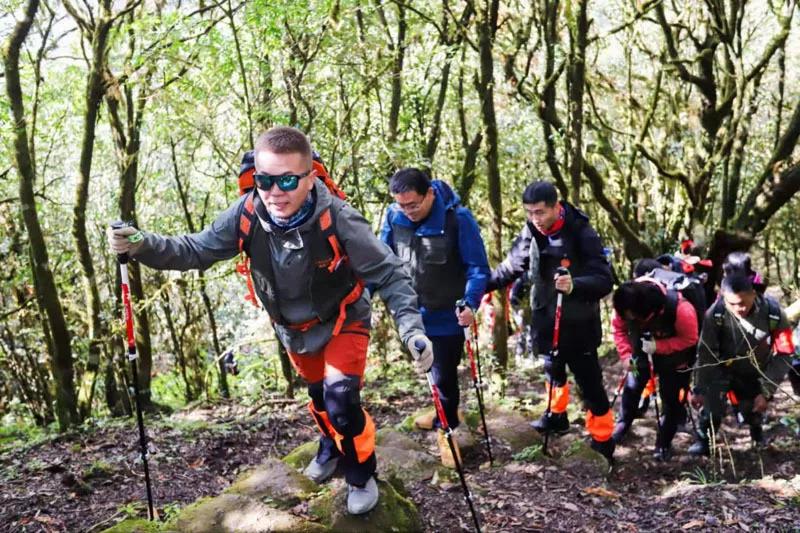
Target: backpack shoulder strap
column 327, row 225
column 774, row 311
column 671, row 306
column 247, row 221
column 719, row 311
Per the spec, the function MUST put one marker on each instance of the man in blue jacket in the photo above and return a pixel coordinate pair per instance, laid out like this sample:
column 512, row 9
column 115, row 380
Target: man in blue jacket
column 440, row 243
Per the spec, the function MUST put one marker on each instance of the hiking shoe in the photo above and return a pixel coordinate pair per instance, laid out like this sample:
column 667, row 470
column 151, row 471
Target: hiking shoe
column 663, row 455
column 605, row 448
column 699, row 448
column 321, row 473
column 620, row 430
column 362, row 500
column 556, row 423
column 444, row 449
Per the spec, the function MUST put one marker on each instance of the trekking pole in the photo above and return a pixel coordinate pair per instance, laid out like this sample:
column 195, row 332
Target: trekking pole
column 448, row 432
column 477, row 382
column 619, row 388
column 561, row 271
column 647, row 335
column 132, row 356
column 688, row 406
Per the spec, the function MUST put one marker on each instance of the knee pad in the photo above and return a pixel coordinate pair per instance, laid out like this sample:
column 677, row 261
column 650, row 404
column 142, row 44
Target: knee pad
column 343, row 403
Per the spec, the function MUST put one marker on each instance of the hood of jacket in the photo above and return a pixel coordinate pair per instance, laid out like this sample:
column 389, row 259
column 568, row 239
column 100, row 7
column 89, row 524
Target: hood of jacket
column 445, row 198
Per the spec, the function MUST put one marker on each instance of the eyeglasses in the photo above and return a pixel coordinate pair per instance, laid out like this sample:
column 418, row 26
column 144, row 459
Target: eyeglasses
column 286, row 182
column 410, row 206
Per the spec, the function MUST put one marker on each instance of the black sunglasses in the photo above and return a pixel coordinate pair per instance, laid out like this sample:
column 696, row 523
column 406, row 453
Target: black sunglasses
column 286, row 182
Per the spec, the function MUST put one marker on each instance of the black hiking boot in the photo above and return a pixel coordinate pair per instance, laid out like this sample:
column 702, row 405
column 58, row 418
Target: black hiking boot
column 555, row 424
column 605, row 448
column 620, row 430
column 663, row 455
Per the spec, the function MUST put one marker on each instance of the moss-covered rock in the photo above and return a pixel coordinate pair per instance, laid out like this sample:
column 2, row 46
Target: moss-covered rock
column 275, row 481
column 580, row 457
column 513, row 428
column 393, row 512
column 136, row 525
column 402, row 457
column 230, row 513
column 302, row 455
column 391, row 437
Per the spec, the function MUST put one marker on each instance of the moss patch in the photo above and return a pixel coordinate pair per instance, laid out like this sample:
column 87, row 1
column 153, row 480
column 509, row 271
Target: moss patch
column 579, row 457
column 276, row 482
column 302, row 455
column 393, row 512
column 136, row 525
column 237, row 513
column 407, row 425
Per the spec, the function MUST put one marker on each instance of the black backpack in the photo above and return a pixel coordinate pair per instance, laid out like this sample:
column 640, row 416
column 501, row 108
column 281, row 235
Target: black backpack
column 690, row 288
column 773, row 307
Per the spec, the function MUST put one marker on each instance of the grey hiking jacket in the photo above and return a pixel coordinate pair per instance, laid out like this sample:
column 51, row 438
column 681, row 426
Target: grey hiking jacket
column 372, row 261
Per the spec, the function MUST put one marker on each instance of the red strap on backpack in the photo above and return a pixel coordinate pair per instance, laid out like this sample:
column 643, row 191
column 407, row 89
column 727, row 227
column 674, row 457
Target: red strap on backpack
column 246, row 221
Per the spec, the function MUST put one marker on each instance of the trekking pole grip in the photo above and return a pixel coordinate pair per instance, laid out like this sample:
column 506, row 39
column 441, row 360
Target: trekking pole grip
column 119, row 224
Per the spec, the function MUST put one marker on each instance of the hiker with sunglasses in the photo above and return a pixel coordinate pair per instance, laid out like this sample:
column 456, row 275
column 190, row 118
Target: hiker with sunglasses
column 311, row 254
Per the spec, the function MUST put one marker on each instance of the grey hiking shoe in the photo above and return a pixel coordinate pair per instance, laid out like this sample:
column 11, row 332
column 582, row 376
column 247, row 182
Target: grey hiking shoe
column 361, row 500
column 321, row 473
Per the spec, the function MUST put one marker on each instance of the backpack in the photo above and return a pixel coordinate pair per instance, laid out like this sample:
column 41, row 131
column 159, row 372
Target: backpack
column 246, row 182
column 774, row 310
column 690, row 288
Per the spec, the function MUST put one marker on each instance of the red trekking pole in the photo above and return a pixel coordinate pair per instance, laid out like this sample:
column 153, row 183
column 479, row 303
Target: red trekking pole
column 448, row 432
column 619, row 388
column 475, row 369
column 561, row 271
column 132, row 357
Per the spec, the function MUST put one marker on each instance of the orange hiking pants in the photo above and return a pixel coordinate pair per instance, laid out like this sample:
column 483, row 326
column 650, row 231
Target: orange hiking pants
column 334, row 375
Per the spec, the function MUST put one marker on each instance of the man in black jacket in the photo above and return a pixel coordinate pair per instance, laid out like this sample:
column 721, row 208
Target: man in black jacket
column 559, row 235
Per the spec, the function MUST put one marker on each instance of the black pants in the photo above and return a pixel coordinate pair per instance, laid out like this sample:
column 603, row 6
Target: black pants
column 744, row 387
column 447, row 352
column 794, row 375
column 671, row 380
column 588, row 375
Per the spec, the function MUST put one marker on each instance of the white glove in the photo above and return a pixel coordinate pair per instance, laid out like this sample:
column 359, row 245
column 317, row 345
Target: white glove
column 648, row 346
column 124, row 240
column 422, row 351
